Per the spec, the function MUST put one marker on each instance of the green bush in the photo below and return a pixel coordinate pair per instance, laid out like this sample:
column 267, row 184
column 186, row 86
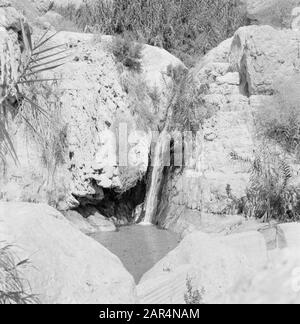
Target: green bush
column 270, row 194
column 188, row 106
column 187, row 28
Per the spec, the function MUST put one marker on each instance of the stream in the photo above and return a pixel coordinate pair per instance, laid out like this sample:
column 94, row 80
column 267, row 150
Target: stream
column 139, row 247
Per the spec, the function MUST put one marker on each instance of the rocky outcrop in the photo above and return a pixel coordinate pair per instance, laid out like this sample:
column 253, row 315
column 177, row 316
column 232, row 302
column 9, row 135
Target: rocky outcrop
column 65, row 265
column 276, row 13
column 263, row 56
column 93, row 100
column 242, row 75
column 214, row 264
column 278, row 284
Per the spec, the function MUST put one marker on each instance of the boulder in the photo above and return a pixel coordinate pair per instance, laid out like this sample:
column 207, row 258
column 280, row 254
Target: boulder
column 101, row 223
column 214, row 266
column 270, row 12
column 296, row 19
column 79, row 222
column 289, row 235
column 279, row 283
column 65, row 265
column 252, row 245
column 43, row 6
column 264, row 56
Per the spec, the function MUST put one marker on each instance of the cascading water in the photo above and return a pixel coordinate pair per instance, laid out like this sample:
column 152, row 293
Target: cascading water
column 160, row 160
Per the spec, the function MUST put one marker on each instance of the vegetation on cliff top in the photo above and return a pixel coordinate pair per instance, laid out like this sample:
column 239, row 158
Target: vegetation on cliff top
column 186, row 28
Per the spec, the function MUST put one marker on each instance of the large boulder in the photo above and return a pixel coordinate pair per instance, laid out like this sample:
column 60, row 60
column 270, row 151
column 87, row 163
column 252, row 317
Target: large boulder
column 264, row 56
column 276, row 13
column 279, row 283
column 215, row 265
column 65, row 265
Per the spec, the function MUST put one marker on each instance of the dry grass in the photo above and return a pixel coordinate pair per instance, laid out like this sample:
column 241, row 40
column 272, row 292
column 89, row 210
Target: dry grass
column 280, row 122
column 13, row 289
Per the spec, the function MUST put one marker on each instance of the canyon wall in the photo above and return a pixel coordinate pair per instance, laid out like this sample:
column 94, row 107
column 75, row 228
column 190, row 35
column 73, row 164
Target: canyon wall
column 242, row 75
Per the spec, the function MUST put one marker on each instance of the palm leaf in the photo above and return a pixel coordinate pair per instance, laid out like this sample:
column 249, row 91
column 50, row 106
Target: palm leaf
column 43, row 70
column 36, row 80
column 48, row 56
column 27, row 44
column 45, row 41
column 37, row 107
column 6, row 141
column 50, row 62
column 48, row 49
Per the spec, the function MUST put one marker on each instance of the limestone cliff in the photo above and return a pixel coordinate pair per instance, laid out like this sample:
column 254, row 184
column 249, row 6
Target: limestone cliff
column 242, row 74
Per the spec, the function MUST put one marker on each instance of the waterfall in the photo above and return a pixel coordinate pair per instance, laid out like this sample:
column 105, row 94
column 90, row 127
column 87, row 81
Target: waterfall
column 160, row 160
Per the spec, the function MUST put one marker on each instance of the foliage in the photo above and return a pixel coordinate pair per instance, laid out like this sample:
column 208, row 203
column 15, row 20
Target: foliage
column 280, row 122
column 35, row 59
column 192, row 296
column 270, row 195
column 128, row 52
column 187, row 28
column 189, row 109
column 13, row 289
column 49, row 131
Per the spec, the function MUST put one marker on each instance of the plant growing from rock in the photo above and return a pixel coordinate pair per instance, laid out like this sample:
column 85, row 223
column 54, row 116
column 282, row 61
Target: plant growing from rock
column 280, row 121
column 128, row 53
column 189, row 109
column 270, row 195
column 193, row 296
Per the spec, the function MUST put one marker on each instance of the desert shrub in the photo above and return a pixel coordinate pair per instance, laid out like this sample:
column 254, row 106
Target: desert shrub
column 13, row 288
column 193, row 296
column 128, row 52
column 186, row 28
column 187, row 103
column 279, row 121
column 270, row 194
column 47, row 130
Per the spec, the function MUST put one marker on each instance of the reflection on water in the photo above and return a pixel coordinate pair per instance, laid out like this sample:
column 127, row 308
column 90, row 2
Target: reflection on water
column 139, row 247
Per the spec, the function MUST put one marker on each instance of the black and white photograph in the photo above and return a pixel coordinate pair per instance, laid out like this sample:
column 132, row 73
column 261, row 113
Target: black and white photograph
column 149, row 155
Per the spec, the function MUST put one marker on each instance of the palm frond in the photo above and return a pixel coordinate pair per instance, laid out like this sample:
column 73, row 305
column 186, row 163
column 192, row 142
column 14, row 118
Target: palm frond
column 28, row 76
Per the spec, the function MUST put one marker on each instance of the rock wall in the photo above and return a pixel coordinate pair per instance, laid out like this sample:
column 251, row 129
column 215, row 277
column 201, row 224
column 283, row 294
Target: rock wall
column 242, row 75
column 94, row 97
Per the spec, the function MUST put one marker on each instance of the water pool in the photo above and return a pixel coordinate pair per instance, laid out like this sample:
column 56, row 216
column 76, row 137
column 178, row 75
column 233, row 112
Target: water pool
column 138, row 247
